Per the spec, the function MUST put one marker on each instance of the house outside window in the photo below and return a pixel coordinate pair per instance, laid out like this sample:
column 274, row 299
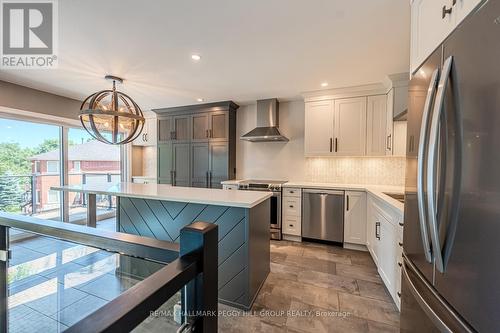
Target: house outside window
column 77, row 166
column 53, row 197
column 37, row 167
column 52, row 166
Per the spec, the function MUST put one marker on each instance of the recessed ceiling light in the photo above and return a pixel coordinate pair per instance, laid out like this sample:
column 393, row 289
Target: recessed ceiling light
column 195, row 57
column 324, row 84
column 199, row 99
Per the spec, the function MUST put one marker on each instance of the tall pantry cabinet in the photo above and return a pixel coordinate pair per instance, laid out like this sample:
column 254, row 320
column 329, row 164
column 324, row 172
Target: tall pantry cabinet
column 197, row 144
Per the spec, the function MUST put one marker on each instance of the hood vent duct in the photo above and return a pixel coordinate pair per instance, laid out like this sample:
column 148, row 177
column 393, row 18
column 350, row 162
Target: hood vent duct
column 267, row 123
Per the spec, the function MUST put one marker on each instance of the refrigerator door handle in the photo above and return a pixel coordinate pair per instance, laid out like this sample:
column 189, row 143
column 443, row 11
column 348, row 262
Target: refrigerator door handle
column 422, row 148
column 433, row 316
column 432, row 161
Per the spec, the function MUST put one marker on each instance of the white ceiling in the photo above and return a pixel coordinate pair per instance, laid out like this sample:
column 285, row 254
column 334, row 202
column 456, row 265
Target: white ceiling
column 250, row 49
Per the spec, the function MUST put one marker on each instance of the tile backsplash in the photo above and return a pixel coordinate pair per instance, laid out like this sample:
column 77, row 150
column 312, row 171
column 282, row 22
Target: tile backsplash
column 356, row 170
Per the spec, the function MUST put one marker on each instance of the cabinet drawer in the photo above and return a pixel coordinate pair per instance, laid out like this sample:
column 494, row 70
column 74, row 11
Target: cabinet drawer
column 292, row 192
column 291, row 206
column 291, row 225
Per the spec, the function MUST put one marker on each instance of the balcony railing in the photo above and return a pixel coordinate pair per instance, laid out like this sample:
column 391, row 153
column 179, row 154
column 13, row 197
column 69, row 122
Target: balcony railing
column 20, row 192
column 189, row 267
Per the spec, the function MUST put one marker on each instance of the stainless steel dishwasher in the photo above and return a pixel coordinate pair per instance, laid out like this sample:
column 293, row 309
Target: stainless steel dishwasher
column 323, row 215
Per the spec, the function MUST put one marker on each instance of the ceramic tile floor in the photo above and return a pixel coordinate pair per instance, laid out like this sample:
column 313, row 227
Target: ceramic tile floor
column 341, row 288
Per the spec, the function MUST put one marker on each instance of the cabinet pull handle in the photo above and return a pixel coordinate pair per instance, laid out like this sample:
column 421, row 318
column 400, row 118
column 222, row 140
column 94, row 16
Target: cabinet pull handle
column 377, row 230
column 400, row 244
column 206, row 134
column 347, row 203
column 336, row 145
column 401, row 224
column 399, row 294
column 446, row 11
column 290, row 225
column 389, row 142
column 210, row 135
column 206, row 179
column 292, row 192
column 331, row 145
column 290, row 206
column 146, row 137
column 400, row 264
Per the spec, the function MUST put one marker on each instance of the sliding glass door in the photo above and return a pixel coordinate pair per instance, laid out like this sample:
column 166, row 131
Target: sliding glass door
column 92, row 162
column 29, row 167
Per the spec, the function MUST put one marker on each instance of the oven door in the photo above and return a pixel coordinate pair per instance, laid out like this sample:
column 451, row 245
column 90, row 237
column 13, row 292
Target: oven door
column 275, row 215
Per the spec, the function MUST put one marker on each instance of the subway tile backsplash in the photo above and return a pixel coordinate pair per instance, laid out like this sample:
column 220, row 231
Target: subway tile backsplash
column 356, row 170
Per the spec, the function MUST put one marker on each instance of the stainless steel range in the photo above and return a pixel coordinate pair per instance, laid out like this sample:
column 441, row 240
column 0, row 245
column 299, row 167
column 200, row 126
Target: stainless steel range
column 274, row 186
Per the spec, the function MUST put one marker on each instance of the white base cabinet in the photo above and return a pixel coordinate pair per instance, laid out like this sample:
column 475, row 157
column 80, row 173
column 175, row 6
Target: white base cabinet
column 291, row 222
column 355, row 217
column 384, row 235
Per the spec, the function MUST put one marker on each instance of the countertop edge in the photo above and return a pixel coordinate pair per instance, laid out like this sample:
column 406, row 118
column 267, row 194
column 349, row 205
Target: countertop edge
column 252, row 204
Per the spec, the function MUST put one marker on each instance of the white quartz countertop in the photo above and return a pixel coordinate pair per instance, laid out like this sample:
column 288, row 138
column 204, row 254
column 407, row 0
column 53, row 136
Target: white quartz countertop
column 376, row 190
column 243, row 199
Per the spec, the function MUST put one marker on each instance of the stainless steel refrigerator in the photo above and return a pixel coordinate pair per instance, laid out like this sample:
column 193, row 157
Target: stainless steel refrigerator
column 451, row 271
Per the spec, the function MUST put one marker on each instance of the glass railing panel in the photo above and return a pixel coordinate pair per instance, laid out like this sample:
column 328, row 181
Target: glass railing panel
column 167, row 318
column 53, row 283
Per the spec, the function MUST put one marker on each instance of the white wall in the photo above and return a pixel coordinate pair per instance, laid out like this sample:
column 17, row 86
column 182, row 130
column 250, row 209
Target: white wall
column 275, row 160
column 272, row 160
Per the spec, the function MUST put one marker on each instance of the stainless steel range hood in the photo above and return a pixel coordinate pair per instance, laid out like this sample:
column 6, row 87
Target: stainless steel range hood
column 267, row 123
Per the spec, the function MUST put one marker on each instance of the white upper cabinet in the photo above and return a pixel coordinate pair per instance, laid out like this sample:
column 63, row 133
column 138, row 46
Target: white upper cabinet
column 378, row 141
column 148, row 134
column 463, row 8
column 350, row 127
column 431, row 22
column 318, row 128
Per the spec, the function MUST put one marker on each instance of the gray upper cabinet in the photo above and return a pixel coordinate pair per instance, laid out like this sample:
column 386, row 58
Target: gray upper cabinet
column 200, row 126
column 219, row 166
column 219, row 126
column 199, row 165
column 165, row 130
column 197, row 144
column 182, row 128
column 180, row 164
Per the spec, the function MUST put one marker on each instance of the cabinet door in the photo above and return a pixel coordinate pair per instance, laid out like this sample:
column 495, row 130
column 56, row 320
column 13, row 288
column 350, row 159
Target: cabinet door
column 350, row 127
column 219, row 126
column 165, row 129
column 219, row 163
column 182, row 128
column 377, row 141
column 181, row 164
column 355, row 217
column 462, row 8
column 371, row 230
column 389, row 130
column 318, row 131
column 199, row 165
column 388, row 256
column 428, row 28
column 165, row 163
column 199, row 124
column 151, row 132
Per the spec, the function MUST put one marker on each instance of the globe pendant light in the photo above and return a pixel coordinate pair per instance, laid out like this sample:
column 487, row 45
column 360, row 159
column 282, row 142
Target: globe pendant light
column 111, row 116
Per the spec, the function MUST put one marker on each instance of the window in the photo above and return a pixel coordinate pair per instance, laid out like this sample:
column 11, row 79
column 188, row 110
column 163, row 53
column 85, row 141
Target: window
column 52, row 166
column 37, row 196
column 37, row 167
column 53, row 197
column 77, row 166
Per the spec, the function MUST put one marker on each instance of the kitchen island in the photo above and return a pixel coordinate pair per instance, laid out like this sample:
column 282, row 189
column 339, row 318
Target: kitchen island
column 160, row 211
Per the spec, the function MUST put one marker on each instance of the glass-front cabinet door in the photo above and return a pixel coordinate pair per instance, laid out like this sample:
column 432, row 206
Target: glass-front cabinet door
column 219, row 126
